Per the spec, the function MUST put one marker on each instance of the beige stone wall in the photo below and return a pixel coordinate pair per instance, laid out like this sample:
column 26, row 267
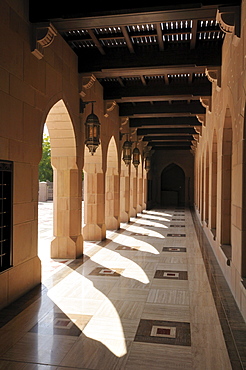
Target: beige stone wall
column 34, row 91
column 28, row 90
column 223, row 143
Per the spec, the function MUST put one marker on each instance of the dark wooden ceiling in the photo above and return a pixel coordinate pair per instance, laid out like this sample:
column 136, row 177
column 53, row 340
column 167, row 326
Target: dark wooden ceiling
column 151, row 61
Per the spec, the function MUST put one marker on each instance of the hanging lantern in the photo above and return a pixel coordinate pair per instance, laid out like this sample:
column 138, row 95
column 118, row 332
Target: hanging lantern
column 127, row 152
column 136, row 157
column 92, row 132
column 147, row 164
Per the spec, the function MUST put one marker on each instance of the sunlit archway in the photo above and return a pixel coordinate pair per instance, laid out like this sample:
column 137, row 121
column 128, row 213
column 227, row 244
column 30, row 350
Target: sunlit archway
column 67, row 190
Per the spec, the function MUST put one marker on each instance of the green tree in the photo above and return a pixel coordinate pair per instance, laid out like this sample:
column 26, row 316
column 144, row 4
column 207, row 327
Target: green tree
column 45, row 168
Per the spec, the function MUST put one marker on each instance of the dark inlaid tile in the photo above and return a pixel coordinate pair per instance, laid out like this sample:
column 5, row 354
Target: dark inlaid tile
column 176, row 235
column 100, row 271
column 57, row 324
column 164, row 332
column 177, row 219
column 138, row 234
column 127, row 248
column 173, row 249
column 177, row 225
column 169, row 274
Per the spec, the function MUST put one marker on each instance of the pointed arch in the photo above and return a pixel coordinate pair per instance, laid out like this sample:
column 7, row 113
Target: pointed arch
column 206, row 187
column 226, row 180
column 213, row 197
column 112, row 187
column 173, row 185
column 67, row 181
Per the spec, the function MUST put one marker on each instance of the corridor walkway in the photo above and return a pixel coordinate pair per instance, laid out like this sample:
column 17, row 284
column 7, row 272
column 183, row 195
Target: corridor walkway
column 140, row 300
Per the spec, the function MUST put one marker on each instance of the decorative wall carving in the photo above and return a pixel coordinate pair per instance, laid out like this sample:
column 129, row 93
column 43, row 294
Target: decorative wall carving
column 86, row 83
column 228, row 18
column 43, row 36
column 109, row 107
column 214, row 75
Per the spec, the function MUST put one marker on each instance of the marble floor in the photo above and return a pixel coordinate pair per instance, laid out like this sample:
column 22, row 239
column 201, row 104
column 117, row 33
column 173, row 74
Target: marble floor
column 140, row 300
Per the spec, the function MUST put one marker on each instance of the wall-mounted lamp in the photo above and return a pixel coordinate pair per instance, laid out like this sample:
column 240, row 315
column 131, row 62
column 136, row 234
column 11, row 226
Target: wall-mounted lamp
column 136, row 157
column 127, row 152
column 147, row 164
column 147, row 155
column 92, row 131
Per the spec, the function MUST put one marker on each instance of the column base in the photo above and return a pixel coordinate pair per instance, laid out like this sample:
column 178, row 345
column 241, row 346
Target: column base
column 94, row 232
column 112, row 223
column 67, row 247
column 124, row 217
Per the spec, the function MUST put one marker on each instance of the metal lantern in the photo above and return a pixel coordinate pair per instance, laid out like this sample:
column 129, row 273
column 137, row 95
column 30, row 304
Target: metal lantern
column 147, row 164
column 127, row 152
column 136, row 157
column 92, row 132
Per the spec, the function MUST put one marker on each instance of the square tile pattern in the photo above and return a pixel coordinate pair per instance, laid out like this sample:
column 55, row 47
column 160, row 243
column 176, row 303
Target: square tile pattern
column 176, row 235
column 138, row 234
column 167, row 274
column 126, row 248
column 99, row 271
column 56, row 324
column 164, row 332
column 173, row 249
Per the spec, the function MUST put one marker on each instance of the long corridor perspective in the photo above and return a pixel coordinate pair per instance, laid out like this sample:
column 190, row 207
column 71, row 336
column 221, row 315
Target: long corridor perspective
column 149, row 297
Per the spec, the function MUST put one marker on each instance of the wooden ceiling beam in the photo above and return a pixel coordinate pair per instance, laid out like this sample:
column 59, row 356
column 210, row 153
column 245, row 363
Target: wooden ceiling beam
column 161, row 108
column 96, row 42
column 166, row 131
column 193, row 33
column 148, row 71
column 164, row 139
column 159, row 36
column 148, row 59
column 174, row 143
column 141, row 98
column 117, row 20
column 170, row 147
column 164, row 121
column 127, row 39
column 161, row 92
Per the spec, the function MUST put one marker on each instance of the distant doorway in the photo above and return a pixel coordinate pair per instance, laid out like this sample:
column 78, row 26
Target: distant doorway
column 173, row 186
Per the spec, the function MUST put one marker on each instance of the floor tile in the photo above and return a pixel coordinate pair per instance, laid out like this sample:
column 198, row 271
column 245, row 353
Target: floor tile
column 14, row 365
column 171, row 274
column 166, row 312
column 163, row 332
column 168, row 296
column 91, row 311
column 42, row 349
column 146, row 356
column 106, row 355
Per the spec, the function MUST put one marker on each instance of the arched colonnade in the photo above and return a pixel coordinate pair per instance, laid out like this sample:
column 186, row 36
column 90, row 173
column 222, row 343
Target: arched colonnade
column 113, row 192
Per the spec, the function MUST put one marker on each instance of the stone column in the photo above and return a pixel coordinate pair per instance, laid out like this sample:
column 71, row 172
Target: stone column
column 68, row 242
column 125, row 194
column 112, row 199
column 140, row 192
column 133, row 192
column 94, row 204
